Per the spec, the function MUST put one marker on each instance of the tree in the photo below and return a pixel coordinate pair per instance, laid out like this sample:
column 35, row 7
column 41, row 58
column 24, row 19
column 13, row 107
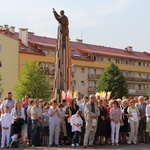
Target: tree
column 148, row 91
column 33, row 81
column 112, row 80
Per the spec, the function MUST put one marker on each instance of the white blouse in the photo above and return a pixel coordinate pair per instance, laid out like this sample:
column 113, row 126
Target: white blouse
column 14, row 115
column 76, row 120
column 148, row 111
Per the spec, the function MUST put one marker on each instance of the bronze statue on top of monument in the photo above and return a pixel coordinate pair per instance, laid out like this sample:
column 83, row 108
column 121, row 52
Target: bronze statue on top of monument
column 63, row 74
column 63, row 24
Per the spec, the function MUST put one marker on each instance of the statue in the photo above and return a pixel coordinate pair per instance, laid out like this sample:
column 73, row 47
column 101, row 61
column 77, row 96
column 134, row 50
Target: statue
column 63, row 73
column 63, row 24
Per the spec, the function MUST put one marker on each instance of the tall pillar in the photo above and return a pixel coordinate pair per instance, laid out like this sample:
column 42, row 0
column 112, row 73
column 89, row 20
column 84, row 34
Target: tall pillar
column 63, row 72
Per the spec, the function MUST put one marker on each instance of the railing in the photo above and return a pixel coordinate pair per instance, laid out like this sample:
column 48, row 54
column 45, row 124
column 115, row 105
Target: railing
column 91, row 89
column 94, row 76
column 137, row 92
column 141, row 91
column 137, row 79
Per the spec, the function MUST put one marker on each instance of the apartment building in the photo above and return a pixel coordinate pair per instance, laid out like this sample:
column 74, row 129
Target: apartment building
column 88, row 61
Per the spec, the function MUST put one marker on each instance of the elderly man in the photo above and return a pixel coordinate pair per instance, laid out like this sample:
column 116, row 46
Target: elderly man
column 141, row 105
column 37, row 120
column 81, row 108
column 91, row 113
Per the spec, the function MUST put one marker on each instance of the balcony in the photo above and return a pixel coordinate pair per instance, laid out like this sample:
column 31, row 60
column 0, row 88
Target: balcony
column 142, row 92
column 91, row 89
column 93, row 76
column 137, row 79
column 137, row 92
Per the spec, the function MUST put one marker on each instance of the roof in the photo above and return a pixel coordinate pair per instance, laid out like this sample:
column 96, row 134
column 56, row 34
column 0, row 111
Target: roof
column 79, row 50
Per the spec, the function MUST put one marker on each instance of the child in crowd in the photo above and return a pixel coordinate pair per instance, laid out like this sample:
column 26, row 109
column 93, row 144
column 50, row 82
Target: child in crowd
column 76, row 123
column 45, row 130
column 14, row 141
column 6, row 121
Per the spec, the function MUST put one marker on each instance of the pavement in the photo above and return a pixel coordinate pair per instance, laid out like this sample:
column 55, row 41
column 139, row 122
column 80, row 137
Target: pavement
column 141, row 146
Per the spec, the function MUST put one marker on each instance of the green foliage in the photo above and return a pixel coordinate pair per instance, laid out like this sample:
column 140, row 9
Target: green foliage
column 148, row 91
column 112, row 80
column 33, row 81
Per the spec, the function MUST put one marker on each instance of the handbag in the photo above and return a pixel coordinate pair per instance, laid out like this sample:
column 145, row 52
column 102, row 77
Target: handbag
column 20, row 121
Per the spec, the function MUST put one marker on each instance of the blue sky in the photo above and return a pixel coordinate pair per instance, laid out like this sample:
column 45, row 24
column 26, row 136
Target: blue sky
column 114, row 23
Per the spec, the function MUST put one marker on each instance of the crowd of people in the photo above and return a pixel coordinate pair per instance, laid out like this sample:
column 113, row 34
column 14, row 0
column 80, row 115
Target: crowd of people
column 83, row 122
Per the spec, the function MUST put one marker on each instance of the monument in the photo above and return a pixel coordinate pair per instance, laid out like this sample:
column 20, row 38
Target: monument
column 63, row 72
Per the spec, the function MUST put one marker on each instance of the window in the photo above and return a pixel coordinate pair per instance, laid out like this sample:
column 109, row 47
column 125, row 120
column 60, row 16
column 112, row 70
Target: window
column 123, row 61
column 132, row 74
column 124, row 73
column 132, row 62
column 101, row 71
column 92, row 71
column 145, row 87
column 0, row 63
column 23, row 63
column 131, row 86
column 92, row 84
column 93, row 57
column 82, row 70
column 0, row 48
column 139, row 75
column 74, row 82
column 139, row 63
column 100, row 59
column 46, row 52
column 45, row 66
column 139, row 87
column 53, row 67
column 82, row 83
column 147, row 65
column 53, row 53
column 73, row 69
column 117, row 61
column 109, row 60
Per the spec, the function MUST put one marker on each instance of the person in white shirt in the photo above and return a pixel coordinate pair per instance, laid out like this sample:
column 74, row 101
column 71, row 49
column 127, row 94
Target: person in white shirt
column 76, row 123
column 6, row 120
column 54, row 124
column 17, row 113
column 79, row 100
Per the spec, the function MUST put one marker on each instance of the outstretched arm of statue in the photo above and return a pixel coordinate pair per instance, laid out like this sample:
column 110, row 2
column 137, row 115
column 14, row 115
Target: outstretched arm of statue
column 57, row 16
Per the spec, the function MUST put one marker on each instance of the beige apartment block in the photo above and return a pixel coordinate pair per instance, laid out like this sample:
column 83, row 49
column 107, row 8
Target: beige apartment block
column 88, row 61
